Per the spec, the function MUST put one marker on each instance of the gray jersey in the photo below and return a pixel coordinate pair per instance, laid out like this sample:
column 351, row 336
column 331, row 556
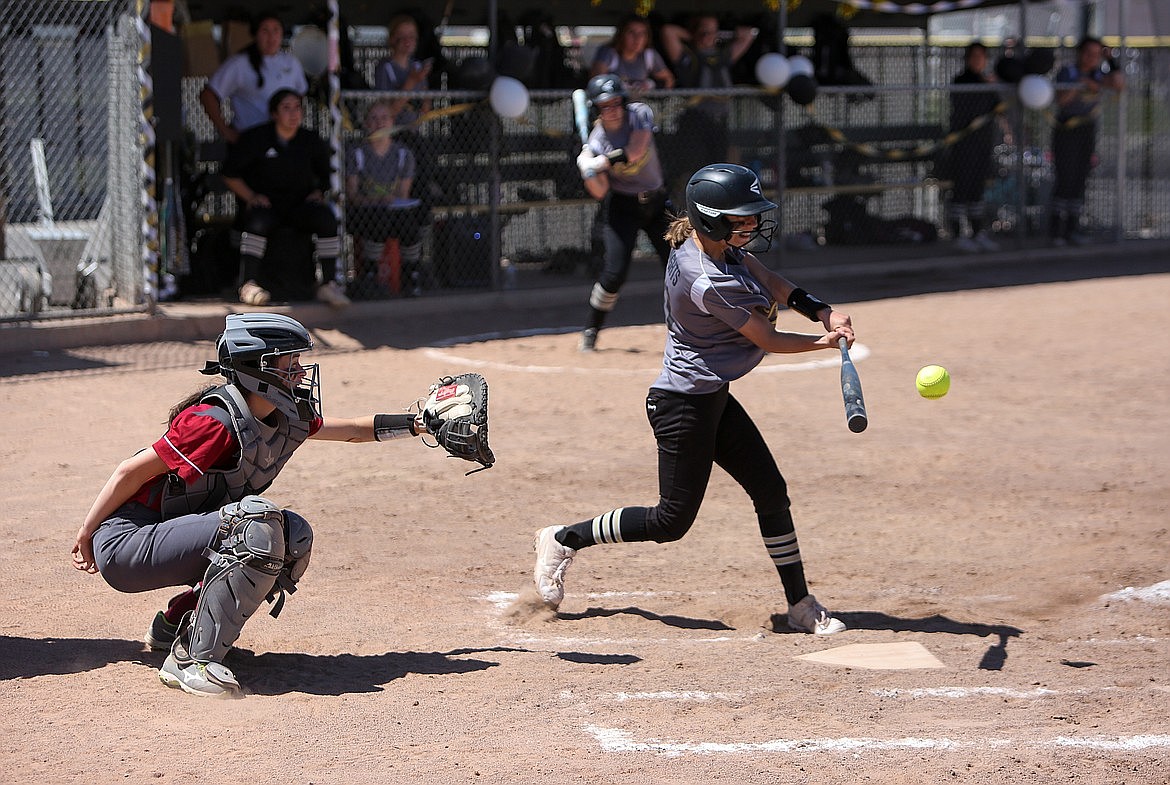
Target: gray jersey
column 630, row 179
column 707, row 301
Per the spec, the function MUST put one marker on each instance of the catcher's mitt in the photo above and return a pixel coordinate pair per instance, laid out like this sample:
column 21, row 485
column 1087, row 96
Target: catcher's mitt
column 456, row 414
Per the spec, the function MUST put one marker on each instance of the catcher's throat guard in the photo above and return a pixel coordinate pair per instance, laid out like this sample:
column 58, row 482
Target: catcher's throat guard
column 456, row 415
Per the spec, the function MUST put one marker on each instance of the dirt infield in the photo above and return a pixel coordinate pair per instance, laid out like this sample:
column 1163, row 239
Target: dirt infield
column 988, row 528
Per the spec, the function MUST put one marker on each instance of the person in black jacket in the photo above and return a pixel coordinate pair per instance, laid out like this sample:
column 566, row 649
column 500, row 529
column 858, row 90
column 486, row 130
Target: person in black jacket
column 279, row 172
column 971, row 113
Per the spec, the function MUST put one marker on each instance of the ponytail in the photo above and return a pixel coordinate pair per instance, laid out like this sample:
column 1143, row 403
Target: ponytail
column 190, row 400
column 257, row 61
column 679, row 230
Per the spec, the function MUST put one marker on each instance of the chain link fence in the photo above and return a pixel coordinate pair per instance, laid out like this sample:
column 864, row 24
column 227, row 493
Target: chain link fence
column 72, row 210
column 471, row 199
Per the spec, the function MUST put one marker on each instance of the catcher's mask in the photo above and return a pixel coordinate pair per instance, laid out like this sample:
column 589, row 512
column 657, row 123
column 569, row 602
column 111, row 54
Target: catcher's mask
column 721, row 190
column 249, row 353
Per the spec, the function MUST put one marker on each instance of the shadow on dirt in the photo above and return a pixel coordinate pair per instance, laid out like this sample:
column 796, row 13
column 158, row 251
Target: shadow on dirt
column 25, row 658
column 993, row 659
column 277, row 673
column 682, row 622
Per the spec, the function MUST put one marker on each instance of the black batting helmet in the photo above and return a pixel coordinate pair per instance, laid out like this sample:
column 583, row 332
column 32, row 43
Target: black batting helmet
column 719, row 190
column 605, row 87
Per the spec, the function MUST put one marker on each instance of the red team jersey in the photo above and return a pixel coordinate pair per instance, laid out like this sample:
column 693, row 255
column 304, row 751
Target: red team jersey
column 192, row 446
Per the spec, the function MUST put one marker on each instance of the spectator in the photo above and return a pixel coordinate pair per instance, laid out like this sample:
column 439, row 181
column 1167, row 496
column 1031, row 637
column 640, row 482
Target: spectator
column 699, row 61
column 620, row 167
column 630, row 56
column 970, row 156
column 247, row 80
column 386, row 222
column 401, row 71
column 279, row 172
column 1078, row 100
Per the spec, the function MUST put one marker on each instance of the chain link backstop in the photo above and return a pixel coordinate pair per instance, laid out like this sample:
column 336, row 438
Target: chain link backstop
column 71, row 158
column 90, row 222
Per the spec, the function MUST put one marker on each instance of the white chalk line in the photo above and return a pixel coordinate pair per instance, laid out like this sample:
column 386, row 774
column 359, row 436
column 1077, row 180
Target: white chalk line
column 858, row 353
column 617, row 740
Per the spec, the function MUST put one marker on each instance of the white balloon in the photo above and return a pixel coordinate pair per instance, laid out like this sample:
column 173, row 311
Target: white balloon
column 799, row 64
column 311, row 47
column 1036, row 92
column 508, row 97
column 772, row 70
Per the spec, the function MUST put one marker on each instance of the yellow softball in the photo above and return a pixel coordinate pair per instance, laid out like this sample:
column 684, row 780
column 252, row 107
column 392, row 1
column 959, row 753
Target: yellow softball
column 933, row 381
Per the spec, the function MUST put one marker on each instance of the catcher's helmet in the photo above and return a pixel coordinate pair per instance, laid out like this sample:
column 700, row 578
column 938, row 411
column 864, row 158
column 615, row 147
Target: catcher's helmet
column 605, row 87
column 719, row 190
column 247, row 350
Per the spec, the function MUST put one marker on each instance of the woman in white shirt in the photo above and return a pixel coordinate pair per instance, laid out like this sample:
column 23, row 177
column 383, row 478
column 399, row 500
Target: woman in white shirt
column 247, row 79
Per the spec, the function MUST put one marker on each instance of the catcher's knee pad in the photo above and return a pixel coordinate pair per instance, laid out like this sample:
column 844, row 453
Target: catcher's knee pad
column 298, row 547
column 245, row 563
column 602, row 299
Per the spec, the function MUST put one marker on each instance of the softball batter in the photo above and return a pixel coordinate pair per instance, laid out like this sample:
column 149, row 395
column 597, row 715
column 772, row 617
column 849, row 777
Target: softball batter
column 185, row 511
column 720, row 317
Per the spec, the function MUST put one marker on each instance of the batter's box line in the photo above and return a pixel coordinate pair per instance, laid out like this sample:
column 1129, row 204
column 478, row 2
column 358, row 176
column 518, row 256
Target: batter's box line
column 618, row 740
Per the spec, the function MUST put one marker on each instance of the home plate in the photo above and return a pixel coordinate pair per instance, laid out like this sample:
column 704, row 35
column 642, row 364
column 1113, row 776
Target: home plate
column 877, row 656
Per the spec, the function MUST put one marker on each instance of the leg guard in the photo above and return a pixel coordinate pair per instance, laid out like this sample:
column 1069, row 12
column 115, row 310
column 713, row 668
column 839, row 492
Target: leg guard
column 248, row 558
column 299, row 538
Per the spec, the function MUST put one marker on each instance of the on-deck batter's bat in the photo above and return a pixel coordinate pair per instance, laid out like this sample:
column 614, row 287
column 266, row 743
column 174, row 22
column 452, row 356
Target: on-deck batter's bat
column 581, row 114
column 851, row 391
column 581, row 119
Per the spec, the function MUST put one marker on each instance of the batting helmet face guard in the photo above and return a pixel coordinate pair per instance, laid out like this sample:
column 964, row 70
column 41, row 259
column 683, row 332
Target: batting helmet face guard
column 718, row 192
column 605, row 87
column 249, row 353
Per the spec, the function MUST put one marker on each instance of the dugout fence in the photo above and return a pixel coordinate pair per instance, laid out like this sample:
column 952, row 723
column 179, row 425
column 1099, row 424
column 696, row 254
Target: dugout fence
column 104, row 213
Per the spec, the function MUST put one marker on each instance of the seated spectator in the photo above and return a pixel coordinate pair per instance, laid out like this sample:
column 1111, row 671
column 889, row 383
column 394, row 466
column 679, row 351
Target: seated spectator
column 279, row 173
column 401, row 71
column 630, row 56
column 247, row 79
column 699, row 61
column 382, row 217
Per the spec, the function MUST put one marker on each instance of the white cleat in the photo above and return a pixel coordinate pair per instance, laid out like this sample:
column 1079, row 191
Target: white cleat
column 330, row 294
column 552, row 560
column 205, row 680
column 808, row 615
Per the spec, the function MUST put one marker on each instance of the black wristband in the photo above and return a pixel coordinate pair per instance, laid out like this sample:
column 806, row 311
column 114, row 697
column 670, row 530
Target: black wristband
column 393, row 426
column 806, row 304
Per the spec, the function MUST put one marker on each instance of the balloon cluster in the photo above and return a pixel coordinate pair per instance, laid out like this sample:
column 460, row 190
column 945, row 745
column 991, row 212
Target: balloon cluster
column 793, row 74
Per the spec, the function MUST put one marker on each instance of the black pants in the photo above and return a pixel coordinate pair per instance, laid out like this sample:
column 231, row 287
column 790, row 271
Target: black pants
column 621, row 217
column 288, row 277
column 1072, row 160
column 693, row 433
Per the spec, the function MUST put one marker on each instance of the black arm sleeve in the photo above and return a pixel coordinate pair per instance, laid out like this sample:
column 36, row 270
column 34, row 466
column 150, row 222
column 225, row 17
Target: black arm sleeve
column 393, row 426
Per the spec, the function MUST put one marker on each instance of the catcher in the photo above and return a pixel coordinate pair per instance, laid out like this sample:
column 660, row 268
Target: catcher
column 186, row 511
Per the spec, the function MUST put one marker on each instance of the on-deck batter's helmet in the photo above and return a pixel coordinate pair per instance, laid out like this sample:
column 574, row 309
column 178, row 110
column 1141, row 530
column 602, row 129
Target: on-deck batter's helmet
column 605, row 87
column 247, row 351
column 720, row 190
